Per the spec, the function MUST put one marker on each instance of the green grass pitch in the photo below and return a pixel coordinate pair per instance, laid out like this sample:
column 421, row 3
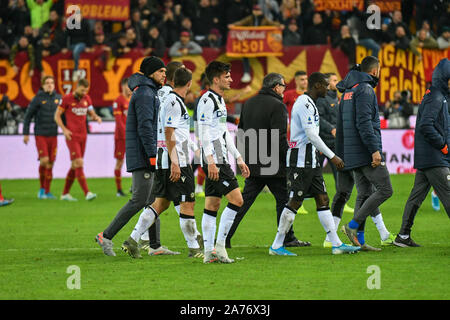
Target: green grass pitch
column 40, row 239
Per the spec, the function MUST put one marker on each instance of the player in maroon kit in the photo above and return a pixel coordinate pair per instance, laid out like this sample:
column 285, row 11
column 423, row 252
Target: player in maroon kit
column 75, row 106
column 120, row 110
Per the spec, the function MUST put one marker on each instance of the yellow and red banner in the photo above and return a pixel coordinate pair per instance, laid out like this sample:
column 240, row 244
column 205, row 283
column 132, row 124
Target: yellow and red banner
column 118, row 10
column 347, row 5
column 105, row 84
column 254, row 42
column 402, row 70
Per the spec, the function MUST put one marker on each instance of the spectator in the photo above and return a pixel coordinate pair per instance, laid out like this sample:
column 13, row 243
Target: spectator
column 256, row 19
column 398, row 111
column 45, row 48
column 236, row 10
column 204, row 20
column 21, row 46
column 32, row 35
column 317, row 33
column 148, row 13
column 422, row 41
column 100, row 50
column 291, row 36
column 39, row 10
column 271, row 9
column 397, row 20
column 426, row 26
column 184, row 46
column 214, row 39
column 385, row 37
column 120, row 47
column 154, row 43
column 18, row 18
column 444, row 40
column 401, row 40
column 366, row 36
column 186, row 25
column 138, row 25
column 171, row 21
column 347, row 44
column 132, row 40
column 77, row 40
column 54, row 27
column 5, row 111
column 4, row 49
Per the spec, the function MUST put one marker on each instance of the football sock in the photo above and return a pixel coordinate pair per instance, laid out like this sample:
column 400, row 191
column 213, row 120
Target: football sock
column 226, row 220
column 353, row 224
column 118, row 179
column 79, row 174
column 286, row 220
column 379, row 223
column 146, row 219
column 187, row 224
column 360, row 235
column 69, row 181
column 209, row 229
column 42, row 176
column 326, row 219
column 48, row 179
column 337, row 220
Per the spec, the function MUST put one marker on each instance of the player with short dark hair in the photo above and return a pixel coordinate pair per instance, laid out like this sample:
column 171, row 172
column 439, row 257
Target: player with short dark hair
column 120, row 111
column 304, row 174
column 42, row 108
column 216, row 142
column 76, row 106
column 174, row 177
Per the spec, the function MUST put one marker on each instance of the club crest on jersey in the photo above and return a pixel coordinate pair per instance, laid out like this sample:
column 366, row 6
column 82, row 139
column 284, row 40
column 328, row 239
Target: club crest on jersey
column 186, row 116
column 219, row 113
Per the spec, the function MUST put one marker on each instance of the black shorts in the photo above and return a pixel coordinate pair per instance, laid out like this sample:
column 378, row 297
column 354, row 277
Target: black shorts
column 181, row 191
column 227, row 181
column 305, row 183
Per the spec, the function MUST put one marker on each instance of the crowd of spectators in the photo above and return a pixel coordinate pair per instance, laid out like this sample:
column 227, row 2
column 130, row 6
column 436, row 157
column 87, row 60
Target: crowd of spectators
column 157, row 26
column 181, row 27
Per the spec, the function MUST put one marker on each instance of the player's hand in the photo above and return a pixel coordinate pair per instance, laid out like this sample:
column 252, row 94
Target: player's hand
column 245, row 171
column 333, row 132
column 26, row 139
column 68, row 134
column 337, row 162
column 376, row 159
column 99, row 120
column 213, row 172
column 175, row 172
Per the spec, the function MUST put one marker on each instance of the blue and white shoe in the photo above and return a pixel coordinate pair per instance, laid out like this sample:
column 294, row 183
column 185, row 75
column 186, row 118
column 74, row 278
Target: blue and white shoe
column 281, row 251
column 41, row 194
column 435, row 201
column 50, row 196
column 344, row 248
column 6, row 202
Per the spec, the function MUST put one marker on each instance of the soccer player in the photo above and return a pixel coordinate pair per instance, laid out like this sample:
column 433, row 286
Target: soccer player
column 75, row 106
column 216, row 142
column 304, row 172
column 163, row 92
column 174, row 177
column 120, row 111
column 42, row 108
column 301, row 85
column 431, row 154
column 3, row 201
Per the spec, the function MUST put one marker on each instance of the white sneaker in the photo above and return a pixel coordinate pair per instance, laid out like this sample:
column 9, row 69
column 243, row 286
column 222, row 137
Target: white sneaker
column 246, row 78
column 68, row 197
column 222, row 254
column 90, row 196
